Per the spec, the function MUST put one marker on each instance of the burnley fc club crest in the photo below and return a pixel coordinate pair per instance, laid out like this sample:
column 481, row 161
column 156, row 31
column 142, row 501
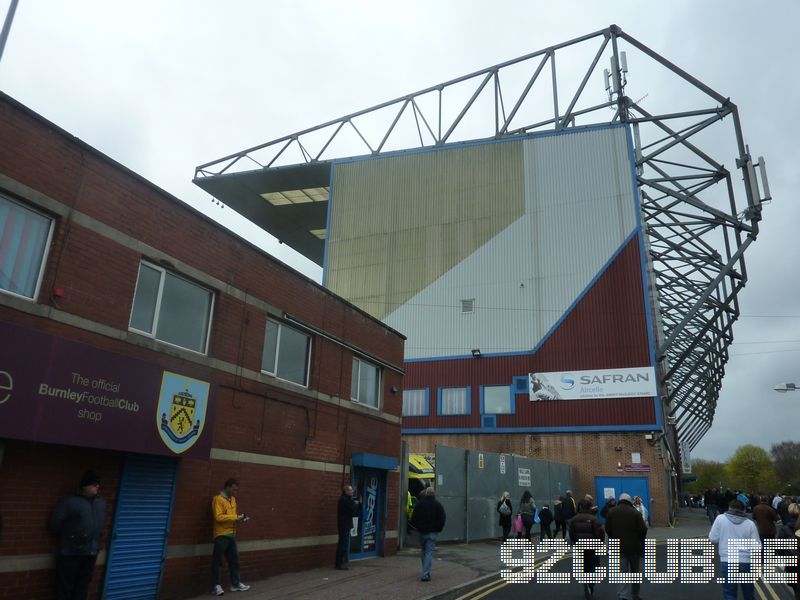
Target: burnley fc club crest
column 182, row 407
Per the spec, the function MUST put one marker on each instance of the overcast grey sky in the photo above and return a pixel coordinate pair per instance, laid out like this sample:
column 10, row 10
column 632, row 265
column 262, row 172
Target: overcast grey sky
column 165, row 86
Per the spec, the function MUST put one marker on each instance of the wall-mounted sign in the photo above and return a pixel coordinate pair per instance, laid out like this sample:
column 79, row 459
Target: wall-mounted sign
column 64, row 392
column 480, row 460
column 524, row 476
column 502, row 464
column 603, row 383
column 636, row 468
column 686, row 459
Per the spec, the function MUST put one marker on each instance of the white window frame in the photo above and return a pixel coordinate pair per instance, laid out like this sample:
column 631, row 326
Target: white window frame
column 426, row 398
column 379, row 384
column 510, row 398
column 467, row 401
column 157, row 310
column 278, row 350
column 48, row 242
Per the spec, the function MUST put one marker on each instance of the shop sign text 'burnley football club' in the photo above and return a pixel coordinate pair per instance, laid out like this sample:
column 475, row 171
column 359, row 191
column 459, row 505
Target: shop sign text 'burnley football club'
column 59, row 391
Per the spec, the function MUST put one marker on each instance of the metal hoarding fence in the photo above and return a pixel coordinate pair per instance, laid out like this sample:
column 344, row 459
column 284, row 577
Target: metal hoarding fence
column 469, row 484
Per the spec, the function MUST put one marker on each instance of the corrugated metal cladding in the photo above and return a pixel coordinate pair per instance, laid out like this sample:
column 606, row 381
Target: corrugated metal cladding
column 397, row 224
column 606, row 329
column 520, row 228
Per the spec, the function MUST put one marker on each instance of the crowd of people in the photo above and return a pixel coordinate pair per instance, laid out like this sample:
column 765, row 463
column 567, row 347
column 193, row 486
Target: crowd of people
column 772, row 517
column 625, row 520
column 715, row 502
column 564, row 508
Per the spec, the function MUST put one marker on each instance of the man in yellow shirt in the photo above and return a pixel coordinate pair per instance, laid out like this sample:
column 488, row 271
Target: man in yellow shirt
column 223, row 507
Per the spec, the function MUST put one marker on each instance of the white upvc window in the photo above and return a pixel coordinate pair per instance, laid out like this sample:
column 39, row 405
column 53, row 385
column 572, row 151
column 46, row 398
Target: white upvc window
column 497, row 400
column 365, row 383
column 454, row 401
column 25, row 236
column 171, row 309
column 287, row 353
column 415, row 403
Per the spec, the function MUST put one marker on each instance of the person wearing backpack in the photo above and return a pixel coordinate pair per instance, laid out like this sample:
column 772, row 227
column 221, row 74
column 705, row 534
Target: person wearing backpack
column 505, row 509
column 586, row 526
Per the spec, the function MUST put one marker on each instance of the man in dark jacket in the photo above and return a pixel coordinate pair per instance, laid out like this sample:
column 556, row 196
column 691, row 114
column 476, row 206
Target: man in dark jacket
column 558, row 517
column 764, row 516
column 610, row 503
column 626, row 524
column 569, row 508
column 722, row 501
column 346, row 509
column 428, row 519
column 586, row 526
column 77, row 521
column 710, row 502
column 783, row 511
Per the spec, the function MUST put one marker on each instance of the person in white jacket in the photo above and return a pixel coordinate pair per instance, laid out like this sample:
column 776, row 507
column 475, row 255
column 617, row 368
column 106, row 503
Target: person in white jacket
column 734, row 525
column 639, row 505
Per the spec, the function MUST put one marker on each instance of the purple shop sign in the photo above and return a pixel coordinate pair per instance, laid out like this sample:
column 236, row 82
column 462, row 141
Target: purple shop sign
column 63, row 392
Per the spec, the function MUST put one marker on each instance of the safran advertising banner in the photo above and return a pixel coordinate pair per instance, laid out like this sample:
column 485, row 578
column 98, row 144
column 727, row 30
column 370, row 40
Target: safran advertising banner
column 584, row 385
column 63, row 392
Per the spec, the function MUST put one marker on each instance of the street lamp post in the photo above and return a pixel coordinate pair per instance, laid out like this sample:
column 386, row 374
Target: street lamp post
column 786, row 387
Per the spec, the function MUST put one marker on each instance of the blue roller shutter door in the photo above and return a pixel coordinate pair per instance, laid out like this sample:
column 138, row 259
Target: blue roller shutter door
column 141, row 527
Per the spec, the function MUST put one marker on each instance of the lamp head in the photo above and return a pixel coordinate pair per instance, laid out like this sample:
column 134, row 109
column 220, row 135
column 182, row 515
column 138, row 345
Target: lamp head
column 785, row 387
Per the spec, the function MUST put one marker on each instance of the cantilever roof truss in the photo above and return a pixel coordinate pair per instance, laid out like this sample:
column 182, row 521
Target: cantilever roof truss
column 698, row 217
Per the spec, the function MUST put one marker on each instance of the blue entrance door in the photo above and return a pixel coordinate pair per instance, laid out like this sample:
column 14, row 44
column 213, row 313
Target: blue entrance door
column 635, row 486
column 370, row 484
column 141, row 526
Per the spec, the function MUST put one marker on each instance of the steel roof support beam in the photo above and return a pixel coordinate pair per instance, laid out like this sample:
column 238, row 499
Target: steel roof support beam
column 694, row 249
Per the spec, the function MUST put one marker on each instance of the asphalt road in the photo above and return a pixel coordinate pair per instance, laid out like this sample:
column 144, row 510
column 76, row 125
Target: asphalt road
column 499, row 589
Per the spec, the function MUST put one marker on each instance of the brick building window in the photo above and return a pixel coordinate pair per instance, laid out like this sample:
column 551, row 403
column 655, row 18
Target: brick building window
column 365, row 384
column 287, row 353
column 24, row 241
column 171, row 309
column 497, row 400
column 454, row 401
column 415, row 403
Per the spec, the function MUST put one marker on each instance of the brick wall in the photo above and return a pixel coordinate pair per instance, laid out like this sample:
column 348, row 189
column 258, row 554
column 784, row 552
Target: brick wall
column 591, row 454
column 97, row 272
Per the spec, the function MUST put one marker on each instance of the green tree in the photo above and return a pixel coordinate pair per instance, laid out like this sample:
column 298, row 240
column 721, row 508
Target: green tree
column 751, row 470
column 786, row 458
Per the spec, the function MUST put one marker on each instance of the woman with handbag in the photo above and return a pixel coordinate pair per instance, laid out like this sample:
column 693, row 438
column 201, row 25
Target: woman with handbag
column 505, row 510
column 527, row 509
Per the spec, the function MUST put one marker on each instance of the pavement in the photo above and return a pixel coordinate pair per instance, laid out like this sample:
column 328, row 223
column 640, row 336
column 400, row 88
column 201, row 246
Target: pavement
column 456, row 567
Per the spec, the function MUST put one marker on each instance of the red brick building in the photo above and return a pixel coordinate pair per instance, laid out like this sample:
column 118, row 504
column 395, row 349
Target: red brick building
column 144, row 341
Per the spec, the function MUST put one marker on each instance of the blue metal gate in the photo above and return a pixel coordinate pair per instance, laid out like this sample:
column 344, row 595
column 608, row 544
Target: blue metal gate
column 635, row 486
column 141, row 527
